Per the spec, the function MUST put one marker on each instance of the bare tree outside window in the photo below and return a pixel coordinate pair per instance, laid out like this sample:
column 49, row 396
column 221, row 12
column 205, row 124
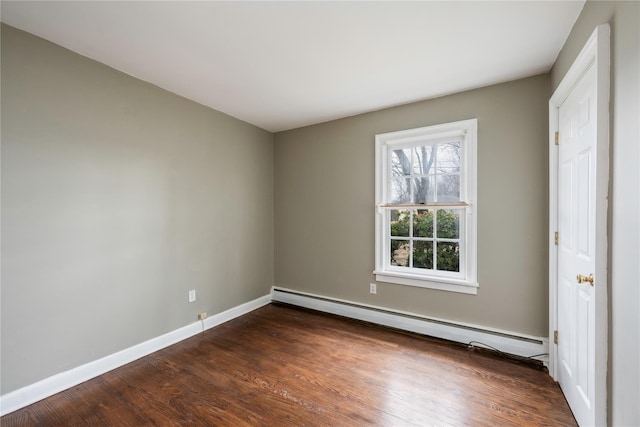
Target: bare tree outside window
column 426, row 174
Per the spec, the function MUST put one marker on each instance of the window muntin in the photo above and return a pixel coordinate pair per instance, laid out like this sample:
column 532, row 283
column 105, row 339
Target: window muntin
column 425, row 190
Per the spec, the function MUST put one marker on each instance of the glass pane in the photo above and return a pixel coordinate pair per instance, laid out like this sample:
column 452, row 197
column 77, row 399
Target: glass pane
column 423, row 223
column 400, row 223
column 449, row 157
column 400, row 192
column 400, row 253
column 423, row 254
column 423, row 190
column 448, row 188
column 448, row 223
column 401, row 162
column 423, row 160
column 448, row 256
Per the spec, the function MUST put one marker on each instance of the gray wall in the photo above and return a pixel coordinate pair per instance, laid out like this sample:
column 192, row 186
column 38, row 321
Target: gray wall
column 117, row 198
column 324, row 180
column 624, row 212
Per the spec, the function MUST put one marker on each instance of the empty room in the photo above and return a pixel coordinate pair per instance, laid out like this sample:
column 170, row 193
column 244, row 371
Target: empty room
column 310, row 213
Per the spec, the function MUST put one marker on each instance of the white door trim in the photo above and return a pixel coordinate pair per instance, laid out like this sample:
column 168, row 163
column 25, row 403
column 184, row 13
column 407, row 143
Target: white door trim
column 596, row 52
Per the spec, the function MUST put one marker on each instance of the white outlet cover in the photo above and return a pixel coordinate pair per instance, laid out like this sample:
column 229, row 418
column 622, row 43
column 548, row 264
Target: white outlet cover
column 192, row 295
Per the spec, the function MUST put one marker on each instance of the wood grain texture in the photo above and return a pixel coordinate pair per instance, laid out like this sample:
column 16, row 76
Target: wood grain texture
column 284, row 366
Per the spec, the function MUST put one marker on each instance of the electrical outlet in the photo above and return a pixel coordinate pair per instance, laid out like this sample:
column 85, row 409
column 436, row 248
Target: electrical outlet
column 202, row 316
column 192, row 295
column 373, row 288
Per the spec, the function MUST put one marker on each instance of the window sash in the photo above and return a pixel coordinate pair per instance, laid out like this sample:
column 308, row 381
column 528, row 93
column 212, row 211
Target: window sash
column 432, row 174
column 410, row 238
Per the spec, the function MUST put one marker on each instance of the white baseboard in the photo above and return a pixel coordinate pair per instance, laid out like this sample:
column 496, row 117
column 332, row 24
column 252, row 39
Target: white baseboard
column 49, row 386
column 505, row 341
column 237, row 311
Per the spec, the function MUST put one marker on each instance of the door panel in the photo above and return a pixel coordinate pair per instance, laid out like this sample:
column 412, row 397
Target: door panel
column 583, row 212
column 582, row 350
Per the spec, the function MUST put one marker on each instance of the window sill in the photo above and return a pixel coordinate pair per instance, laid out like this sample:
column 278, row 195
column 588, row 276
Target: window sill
column 440, row 283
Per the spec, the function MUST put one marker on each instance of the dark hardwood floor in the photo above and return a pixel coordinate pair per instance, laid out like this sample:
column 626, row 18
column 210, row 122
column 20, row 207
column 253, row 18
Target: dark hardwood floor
column 283, row 366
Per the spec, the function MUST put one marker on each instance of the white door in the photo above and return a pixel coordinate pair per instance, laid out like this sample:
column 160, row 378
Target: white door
column 579, row 165
column 576, row 247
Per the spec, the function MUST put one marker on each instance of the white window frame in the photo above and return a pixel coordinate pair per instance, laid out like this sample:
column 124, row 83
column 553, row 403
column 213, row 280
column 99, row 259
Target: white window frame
column 466, row 280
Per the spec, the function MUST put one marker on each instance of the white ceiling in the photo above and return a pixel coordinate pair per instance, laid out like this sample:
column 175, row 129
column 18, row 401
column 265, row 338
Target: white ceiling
column 282, row 65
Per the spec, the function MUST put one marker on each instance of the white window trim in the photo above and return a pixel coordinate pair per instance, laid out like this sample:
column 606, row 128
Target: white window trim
column 468, row 284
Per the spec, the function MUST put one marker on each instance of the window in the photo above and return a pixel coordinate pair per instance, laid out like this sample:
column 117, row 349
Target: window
column 426, row 207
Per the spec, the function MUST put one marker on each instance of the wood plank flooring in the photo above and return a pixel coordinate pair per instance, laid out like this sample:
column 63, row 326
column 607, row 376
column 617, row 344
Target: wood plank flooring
column 284, row 366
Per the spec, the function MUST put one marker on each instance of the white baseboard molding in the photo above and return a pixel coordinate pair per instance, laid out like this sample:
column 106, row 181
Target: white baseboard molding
column 505, row 341
column 32, row 393
column 237, row 311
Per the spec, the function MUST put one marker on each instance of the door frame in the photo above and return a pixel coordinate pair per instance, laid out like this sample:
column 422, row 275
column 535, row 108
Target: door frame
column 595, row 52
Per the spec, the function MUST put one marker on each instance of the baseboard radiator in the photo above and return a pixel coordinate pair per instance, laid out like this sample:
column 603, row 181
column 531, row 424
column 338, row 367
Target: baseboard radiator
column 511, row 343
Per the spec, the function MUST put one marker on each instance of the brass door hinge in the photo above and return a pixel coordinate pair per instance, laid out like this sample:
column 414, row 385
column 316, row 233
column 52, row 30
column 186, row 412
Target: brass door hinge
column 556, row 238
column 557, row 138
column 555, row 337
